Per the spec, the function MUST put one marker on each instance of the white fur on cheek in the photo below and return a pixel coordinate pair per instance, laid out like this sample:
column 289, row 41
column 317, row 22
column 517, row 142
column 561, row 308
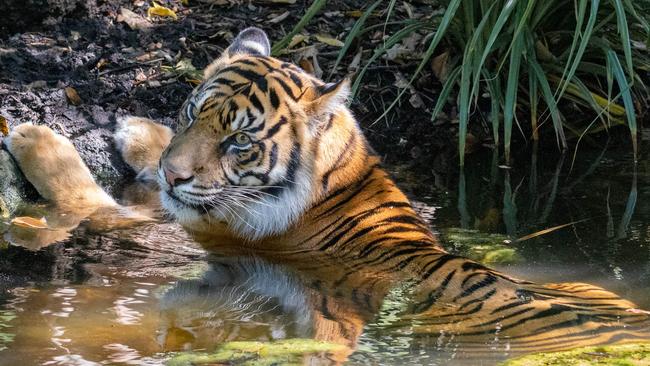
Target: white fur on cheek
column 271, row 216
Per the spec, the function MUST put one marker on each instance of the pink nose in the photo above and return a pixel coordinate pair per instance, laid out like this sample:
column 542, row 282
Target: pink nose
column 175, row 177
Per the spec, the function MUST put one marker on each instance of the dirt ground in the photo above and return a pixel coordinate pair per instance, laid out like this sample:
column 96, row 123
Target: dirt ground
column 119, row 61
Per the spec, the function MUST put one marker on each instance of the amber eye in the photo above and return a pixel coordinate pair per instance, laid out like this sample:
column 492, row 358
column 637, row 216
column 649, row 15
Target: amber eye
column 242, row 139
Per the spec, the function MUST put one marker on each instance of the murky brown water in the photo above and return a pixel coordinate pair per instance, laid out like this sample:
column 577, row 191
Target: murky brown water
column 136, row 296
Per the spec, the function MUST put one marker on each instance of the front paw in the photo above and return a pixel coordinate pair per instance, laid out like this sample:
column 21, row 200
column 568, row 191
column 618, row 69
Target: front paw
column 53, row 166
column 141, row 142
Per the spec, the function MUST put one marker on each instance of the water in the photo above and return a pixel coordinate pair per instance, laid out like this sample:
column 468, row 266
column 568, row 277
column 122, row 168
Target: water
column 141, row 295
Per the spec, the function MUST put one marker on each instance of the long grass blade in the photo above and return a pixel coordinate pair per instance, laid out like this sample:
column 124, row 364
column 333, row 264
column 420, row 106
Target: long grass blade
column 547, row 94
column 574, row 62
column 547, row 231
column 624, row 86
column 624, row 32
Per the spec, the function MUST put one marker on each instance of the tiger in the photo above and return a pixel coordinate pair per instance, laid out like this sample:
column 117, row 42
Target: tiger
column 268, row 161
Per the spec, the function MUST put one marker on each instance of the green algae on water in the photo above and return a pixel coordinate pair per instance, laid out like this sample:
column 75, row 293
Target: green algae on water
column 637, row 354
column 284, row 352
column 482, row 247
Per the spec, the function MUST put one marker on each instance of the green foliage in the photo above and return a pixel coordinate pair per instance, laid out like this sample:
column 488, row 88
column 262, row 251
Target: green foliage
column 551, row 59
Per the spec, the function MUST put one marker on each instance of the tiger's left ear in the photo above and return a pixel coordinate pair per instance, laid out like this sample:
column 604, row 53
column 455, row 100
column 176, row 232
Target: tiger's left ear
column 328, row 98
column 251, row 41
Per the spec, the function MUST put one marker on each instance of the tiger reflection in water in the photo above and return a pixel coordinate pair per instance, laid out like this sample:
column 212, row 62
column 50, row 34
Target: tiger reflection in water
column 269, row 161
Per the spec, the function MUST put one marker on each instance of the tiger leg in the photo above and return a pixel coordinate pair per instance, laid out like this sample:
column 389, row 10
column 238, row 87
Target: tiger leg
column 53, row 166
column 141, row 142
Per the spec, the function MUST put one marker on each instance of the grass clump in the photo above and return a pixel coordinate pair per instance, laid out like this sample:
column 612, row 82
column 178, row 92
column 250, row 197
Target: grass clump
column 573, row 67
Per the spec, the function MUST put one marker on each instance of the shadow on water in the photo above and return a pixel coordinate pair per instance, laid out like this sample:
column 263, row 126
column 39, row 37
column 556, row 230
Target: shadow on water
column 140, row 295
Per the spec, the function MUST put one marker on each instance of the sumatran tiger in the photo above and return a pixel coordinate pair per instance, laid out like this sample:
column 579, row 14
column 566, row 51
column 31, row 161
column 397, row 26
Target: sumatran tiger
column 268, row 160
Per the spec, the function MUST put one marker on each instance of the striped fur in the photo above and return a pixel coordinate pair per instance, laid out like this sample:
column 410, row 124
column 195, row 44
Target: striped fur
column 315, row 198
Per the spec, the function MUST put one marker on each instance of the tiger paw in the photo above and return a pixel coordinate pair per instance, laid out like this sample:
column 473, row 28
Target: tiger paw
column 50, row 162
column 141, row 142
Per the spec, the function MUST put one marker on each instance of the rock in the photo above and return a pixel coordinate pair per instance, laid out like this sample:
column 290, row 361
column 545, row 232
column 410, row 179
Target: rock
column 12, row 184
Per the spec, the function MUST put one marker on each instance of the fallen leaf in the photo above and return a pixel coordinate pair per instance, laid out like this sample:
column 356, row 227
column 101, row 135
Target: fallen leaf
column 415, row 99
column 440, row 66
column 161, row 11
column 73, row 96
column 185, row 2
column 4, row 126
column 279, row 18
column 354, row 13
column 133, row 20
column 30, row 222
column 329, row 40
column 297, row 39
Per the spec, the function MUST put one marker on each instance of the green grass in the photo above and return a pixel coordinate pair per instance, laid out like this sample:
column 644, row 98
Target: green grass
column 566, row 67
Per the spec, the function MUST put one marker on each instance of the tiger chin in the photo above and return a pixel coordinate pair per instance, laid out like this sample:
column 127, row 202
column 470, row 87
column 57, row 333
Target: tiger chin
column 266, row 156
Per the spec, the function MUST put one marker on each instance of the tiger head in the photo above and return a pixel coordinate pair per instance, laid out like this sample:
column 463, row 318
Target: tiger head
column 260, row 140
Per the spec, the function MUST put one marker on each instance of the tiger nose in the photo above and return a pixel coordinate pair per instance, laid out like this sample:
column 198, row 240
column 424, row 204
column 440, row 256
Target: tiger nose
column 175, row 176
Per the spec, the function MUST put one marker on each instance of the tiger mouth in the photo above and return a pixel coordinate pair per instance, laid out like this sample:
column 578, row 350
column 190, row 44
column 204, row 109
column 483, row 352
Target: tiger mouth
column 196, row 206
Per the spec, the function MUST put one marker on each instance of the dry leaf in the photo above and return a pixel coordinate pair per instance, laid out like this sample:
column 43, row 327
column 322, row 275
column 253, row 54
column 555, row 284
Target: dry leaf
column 440, row 66
column 354, row 13
column 279, row 18
column 73, row 96
column 329, row 40
column 4, row 126
column 161, row 11
column 30, row 222
column 298, row 38
column 133, row 20
column 415, row 99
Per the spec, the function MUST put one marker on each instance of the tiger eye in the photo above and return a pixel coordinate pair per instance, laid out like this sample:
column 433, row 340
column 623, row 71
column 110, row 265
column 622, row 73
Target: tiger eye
column 242, row 139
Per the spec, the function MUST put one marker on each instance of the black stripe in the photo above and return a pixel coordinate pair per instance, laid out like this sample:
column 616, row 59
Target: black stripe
column 256, row 103
column 275, row 102
column 435, row 295
column 287, row 88
column 273, row 130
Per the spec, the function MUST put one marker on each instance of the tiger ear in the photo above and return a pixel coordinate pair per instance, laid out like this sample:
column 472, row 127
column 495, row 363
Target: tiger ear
column 251, row 41
column 328, row 98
